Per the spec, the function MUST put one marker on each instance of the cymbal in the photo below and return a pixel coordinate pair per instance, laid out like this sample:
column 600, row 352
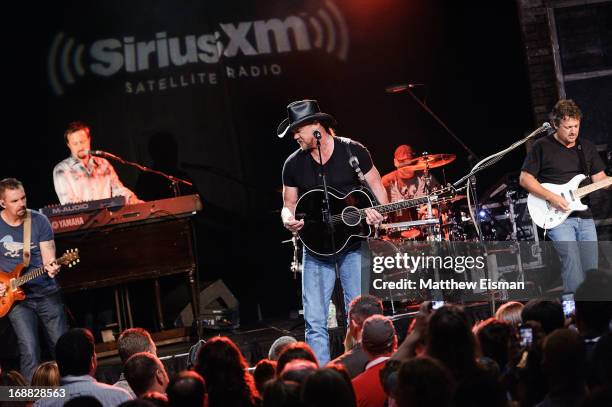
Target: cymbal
column 434, row 161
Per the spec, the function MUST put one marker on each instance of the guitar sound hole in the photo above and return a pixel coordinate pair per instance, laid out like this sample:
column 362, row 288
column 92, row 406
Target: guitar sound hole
column 351, row 216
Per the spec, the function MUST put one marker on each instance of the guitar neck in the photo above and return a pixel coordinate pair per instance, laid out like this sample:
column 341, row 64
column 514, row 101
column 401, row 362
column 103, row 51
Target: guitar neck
column 37, row 272
column 580, row 192
column 396, row 206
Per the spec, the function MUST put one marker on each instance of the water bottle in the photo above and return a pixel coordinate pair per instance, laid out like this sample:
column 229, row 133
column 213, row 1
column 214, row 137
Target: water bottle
column 332, row 322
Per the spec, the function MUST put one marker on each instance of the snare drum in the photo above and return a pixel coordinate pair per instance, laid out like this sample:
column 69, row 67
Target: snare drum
column 397, row 230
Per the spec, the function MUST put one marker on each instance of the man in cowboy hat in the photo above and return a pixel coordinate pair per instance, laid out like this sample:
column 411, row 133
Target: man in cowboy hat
column 301, row 172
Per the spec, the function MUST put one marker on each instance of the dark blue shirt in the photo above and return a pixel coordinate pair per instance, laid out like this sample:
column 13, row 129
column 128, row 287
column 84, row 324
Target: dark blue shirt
column 11, row 253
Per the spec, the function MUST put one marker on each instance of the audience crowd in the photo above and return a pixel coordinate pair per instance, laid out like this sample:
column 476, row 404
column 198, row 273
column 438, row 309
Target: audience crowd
column 526, row 355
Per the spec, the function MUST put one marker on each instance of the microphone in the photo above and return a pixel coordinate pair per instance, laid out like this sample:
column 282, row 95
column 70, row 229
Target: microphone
column 99, row 153
column 402, row 87
column 316, row 134
column 546, row 128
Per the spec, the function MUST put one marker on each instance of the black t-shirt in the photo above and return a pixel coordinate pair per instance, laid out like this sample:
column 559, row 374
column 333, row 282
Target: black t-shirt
column 552, row 162
column 304, row 173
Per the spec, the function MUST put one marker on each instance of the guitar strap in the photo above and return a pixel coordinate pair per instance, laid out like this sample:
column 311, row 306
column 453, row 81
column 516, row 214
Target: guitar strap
column 586, row 169
column 27, row 234
column 354, row 163
column 583, row 163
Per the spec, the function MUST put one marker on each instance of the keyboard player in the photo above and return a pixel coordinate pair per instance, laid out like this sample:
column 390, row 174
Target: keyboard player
column 83, row 177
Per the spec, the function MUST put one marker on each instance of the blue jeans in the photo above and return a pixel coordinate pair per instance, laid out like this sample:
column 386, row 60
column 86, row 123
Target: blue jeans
column 576, row 243
column 318, row 279
column 24, row 317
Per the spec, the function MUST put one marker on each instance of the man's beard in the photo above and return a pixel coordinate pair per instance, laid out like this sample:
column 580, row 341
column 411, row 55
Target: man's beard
column 305, row 147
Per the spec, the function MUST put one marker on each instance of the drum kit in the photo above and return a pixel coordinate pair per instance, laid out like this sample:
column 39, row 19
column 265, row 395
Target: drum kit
column 446, row 220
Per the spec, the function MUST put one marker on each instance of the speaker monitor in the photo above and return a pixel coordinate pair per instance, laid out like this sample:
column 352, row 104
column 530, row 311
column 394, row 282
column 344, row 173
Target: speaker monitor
column 215, row 296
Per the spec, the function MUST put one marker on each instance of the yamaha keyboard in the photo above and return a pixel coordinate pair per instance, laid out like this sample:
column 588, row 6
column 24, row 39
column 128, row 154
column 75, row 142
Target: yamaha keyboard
column 85, row 206
column 130, row 243
column 104, row 213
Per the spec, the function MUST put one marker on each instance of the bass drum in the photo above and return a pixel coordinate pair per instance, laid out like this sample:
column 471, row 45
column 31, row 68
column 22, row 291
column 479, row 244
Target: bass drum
column 402, row 233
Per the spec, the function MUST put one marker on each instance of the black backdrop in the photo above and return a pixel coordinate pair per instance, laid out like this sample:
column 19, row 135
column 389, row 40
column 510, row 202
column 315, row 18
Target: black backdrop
column 222, row 135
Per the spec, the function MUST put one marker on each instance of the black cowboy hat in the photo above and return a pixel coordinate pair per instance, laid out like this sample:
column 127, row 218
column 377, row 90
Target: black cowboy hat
column 302, row 112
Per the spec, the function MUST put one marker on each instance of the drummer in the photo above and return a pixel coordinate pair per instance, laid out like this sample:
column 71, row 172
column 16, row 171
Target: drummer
column 406, row 183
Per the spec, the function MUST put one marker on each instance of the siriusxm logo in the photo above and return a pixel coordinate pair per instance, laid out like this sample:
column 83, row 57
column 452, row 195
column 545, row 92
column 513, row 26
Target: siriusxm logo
column 325, row 30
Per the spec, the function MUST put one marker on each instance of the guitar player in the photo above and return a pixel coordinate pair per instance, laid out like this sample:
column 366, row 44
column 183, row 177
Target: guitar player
column 302, row 172
column 556, row 159
column 43, row 298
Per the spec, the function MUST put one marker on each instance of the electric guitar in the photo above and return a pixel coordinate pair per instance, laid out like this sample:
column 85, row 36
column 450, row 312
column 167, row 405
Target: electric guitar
column 14, row 280
column 347, row 219
column 547, row 216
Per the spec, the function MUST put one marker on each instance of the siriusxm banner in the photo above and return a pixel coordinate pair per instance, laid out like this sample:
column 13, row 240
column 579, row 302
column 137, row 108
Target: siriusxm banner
column 158, row 59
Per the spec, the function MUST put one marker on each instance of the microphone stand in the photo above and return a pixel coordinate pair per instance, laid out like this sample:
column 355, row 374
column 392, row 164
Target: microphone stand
column 327, row 218
column 494, row 158
column 174, row 180
column 481, row 165
column 471, row 154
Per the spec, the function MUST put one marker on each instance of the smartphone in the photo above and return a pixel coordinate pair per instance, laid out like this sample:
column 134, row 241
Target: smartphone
column 436, row 304
column 526, row 333
column 569, row 305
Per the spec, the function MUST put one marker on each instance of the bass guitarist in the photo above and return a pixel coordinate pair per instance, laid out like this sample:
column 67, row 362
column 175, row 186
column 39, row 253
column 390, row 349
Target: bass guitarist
column 302, row 172
column 43, row 298
column 557, row 159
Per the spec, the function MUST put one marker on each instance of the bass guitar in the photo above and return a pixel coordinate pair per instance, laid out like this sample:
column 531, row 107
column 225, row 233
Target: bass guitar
column 547, row 216
column 347, row 220
column 14, row 280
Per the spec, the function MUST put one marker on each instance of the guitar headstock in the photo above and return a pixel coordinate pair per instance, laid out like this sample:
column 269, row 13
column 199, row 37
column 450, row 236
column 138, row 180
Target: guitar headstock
column 70, row 258
column 443, row 194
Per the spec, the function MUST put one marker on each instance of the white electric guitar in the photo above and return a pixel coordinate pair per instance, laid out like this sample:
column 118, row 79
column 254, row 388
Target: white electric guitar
column 547, row 216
